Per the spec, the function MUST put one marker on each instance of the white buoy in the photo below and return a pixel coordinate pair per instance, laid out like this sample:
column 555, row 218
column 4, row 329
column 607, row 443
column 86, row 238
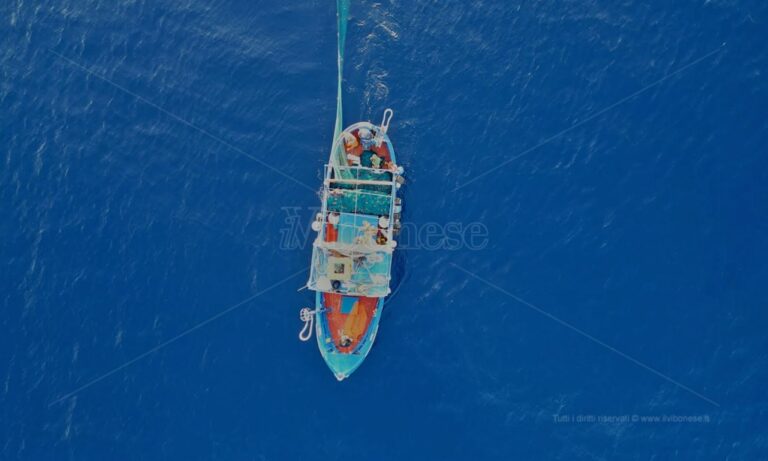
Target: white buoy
column 383, row 222
column 316, row 226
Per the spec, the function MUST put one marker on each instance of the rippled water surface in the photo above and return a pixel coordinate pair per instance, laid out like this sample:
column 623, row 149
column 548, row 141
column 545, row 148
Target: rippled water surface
column 153, row 151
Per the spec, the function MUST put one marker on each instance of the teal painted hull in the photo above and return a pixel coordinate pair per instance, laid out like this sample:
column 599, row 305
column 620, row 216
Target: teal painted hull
column 352, row 255
column 343, row 364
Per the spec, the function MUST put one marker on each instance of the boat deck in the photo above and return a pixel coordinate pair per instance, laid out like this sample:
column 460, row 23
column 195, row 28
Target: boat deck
column 348, row 319
column 352, row 255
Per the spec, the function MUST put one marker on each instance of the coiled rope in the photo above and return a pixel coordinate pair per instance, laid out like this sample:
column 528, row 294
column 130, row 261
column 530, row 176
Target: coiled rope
column 308, row 317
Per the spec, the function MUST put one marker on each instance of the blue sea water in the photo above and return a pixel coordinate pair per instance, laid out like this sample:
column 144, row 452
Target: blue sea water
column 153, row 151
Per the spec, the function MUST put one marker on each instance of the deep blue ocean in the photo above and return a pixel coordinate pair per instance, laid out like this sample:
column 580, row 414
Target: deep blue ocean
column 156, row 157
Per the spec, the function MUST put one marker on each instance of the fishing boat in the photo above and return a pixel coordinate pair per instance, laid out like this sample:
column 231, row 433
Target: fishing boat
column 352, row 253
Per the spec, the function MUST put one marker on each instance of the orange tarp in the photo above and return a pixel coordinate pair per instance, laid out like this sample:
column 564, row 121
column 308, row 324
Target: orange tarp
column 354, row 325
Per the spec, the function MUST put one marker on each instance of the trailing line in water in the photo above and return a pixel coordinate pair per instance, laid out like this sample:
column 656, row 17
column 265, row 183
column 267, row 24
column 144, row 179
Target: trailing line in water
column 342, row 15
